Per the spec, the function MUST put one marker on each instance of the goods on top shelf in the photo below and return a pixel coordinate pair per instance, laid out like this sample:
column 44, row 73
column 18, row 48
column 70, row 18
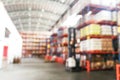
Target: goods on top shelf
column 104, row 3
column 102, row 15
column 98, row 5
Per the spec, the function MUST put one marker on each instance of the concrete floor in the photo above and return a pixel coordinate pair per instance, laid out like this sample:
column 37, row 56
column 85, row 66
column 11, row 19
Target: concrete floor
column 36, row 69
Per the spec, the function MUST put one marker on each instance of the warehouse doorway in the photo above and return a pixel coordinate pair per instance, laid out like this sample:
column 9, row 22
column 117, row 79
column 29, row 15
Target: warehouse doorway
column 5, row 52
column 5, row 56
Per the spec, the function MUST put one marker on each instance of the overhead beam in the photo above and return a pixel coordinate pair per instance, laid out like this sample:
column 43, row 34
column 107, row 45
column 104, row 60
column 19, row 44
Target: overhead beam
column 40, row 10
column 23, row 14
column 35, row 24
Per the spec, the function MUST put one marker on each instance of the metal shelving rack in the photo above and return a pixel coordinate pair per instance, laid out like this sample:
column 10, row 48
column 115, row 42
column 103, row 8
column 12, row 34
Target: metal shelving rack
column 95, row 9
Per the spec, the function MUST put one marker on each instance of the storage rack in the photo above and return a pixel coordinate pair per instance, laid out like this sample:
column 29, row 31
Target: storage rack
column 53, row 44
column 51, row 48
column 77, row 44
column 47, row 46
column 42, row 46
column 105, row 55
column 47, row 56
column 31, row 44
column 63, row 44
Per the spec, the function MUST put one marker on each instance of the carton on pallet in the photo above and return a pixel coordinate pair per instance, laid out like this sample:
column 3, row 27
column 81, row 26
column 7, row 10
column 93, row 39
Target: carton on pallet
column 95, row 44
column 83, row 46
column 81, row 32
column 94, row 29
column 106, row 30
column 107, row 45
column 114, row 28
column 87, row 30
column 118, row 18
column 90, row 45
column 114, row 17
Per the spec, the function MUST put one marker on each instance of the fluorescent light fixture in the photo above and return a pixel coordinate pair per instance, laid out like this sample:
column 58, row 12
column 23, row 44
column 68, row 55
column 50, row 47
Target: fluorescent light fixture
column 89, row 13
column 41, row 15
column 29, row 23
column 62, row 1
column 29, row 14
column 29, row 8
column 43, row 10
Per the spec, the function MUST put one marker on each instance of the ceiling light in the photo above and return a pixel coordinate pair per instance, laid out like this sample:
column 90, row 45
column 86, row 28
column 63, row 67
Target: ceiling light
column 29, row 14
column 29, row 8
column 89, row 13
column 38, row 23
column 43, row 10
column 62, row 1
column 40, row 15
column 51, row 16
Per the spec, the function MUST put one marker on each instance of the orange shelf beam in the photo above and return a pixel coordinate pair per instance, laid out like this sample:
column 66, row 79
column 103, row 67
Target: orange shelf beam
column 98, row 36
column 103, row 22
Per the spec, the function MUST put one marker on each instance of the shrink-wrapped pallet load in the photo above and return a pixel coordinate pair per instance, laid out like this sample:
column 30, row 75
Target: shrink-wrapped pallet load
column 114, row 28
column 87, row 30
column 83, row 45
column 94, row 29
column 114, row 17
column 81, row 32
column 95, row 44
column 107, row 45
column 118, row 17
column 90, row 45
column 106, row 30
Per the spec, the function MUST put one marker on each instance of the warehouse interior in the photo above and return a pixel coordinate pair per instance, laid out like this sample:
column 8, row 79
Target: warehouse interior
column 43, row 39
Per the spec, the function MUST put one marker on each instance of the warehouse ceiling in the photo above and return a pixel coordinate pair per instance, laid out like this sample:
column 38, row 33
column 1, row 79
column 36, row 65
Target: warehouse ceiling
column 36, row 15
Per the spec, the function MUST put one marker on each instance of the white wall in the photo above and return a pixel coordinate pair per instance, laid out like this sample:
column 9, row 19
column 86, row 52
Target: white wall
column 14, row 42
